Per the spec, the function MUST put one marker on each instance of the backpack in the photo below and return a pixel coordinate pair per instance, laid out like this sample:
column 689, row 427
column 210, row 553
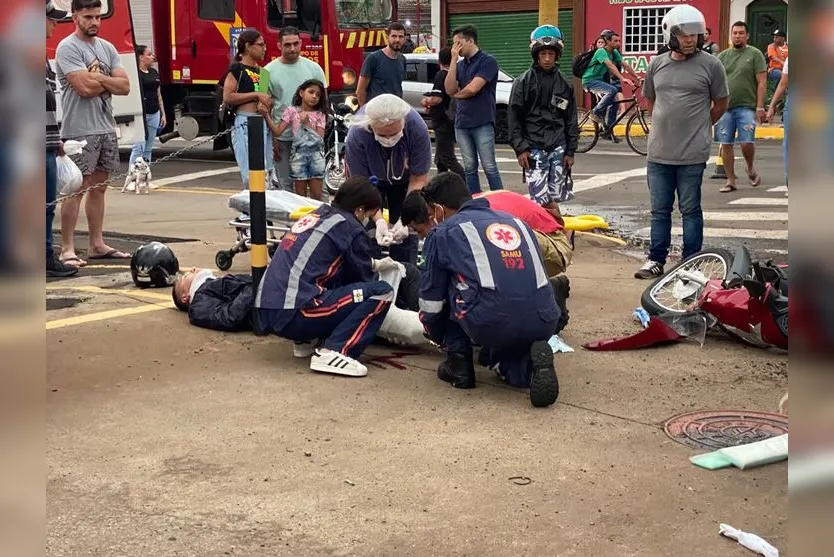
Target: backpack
column 582, row 61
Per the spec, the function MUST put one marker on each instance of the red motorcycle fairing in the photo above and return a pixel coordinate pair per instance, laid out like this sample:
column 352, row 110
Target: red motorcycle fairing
column 656, row 332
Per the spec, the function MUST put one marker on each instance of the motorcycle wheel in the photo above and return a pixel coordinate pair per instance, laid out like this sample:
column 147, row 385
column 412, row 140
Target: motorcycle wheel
column 334, row 175
column 671, row 293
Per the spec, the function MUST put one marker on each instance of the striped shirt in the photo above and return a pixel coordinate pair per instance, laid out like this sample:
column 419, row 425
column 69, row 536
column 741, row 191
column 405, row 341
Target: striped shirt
column 53, row 130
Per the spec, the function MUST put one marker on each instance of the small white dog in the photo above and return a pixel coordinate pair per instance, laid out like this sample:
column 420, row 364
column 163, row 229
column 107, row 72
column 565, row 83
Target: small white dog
column 139, row 178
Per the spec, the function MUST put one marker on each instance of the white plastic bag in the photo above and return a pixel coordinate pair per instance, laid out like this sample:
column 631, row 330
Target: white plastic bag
column 73, row 147
column 69, row 176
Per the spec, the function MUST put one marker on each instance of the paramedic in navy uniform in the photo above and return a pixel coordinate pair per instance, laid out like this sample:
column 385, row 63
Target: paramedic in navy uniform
column 321, row 283
column 390, row 141
column 484, row 283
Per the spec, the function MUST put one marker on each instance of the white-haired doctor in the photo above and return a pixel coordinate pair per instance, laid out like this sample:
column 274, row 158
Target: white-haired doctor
column 389, row 140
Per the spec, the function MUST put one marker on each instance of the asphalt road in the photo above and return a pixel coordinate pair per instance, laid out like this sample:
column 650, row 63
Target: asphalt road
column 610, row 181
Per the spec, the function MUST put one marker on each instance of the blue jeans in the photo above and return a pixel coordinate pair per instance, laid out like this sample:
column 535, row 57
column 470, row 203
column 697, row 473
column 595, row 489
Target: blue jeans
column 240, row 145
column 666, row 180
column 51, row 195
column 605, row 108
column 479, row 143
column 775, row 75
column 144, row 149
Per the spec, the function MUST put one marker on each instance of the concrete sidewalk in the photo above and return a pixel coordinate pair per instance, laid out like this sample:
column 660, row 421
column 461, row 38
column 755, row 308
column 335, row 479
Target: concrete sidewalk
column 164, row 439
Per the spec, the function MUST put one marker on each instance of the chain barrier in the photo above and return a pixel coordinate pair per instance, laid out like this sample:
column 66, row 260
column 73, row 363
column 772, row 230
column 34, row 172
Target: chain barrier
column 175, row 154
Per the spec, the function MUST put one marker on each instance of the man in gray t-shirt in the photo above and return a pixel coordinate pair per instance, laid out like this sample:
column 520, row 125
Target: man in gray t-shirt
column 687, row 93
column 90, row 73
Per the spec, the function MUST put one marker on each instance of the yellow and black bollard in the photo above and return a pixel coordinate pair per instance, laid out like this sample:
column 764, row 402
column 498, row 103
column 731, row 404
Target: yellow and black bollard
column 257, row 198
column 719, row 173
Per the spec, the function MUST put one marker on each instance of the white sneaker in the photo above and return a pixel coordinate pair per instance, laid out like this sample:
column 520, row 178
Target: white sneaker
column 327, row 361
column 303, row 349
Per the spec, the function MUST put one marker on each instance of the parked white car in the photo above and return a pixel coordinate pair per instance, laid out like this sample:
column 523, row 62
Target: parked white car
column 420, row 71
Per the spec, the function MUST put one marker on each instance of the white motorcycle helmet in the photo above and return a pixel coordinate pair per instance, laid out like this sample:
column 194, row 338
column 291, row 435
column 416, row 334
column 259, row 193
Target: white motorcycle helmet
column 683, row 20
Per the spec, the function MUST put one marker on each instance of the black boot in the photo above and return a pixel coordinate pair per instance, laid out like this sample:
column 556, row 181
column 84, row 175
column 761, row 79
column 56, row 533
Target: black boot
column 544, row 386
column 561, row 293
column 458, row 370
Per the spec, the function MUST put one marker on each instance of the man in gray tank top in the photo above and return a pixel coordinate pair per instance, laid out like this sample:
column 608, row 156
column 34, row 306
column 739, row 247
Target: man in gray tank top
column 90, row 73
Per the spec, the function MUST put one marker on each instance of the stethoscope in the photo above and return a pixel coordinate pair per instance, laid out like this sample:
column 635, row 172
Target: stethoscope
column 389, row 168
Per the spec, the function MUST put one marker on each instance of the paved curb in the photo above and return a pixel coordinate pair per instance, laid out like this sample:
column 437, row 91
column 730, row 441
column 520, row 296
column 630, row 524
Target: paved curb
column 762, row 132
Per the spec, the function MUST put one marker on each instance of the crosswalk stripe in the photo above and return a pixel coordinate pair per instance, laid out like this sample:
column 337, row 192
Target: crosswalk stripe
column 763, row 201
column 778, row 189
column 728, row 233
column 744, row 216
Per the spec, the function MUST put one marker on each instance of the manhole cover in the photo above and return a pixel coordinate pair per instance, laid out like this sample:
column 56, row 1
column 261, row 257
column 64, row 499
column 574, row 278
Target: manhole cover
column 718, row 429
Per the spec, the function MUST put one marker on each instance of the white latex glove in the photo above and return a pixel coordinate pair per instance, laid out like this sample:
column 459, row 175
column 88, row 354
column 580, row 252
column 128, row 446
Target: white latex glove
column 383, row 234
column 399, row 232
column 384, row 264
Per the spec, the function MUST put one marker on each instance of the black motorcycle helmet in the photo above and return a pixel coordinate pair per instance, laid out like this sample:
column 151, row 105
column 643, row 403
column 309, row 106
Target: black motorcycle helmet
column 154, row 265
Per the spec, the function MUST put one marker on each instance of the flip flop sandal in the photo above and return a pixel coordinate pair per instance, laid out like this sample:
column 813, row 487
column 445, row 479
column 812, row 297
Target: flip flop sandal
column 728, row 188
column 76, row 262
column 755, row 179
column 113, row 254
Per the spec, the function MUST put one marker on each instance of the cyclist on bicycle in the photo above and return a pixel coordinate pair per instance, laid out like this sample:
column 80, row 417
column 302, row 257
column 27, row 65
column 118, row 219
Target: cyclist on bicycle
column 686, row 90
column 542, row 118
column 605, row 61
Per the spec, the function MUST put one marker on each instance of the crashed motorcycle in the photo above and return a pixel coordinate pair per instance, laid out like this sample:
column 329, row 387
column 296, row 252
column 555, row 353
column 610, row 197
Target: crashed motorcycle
column 747, row 299
column 334, row 141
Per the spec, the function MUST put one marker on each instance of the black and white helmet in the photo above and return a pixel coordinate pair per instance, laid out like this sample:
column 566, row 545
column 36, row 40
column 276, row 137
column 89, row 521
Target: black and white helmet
column 683, row 20
column 154, row 265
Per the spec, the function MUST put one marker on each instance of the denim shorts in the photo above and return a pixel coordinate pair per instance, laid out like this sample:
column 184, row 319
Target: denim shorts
column 741, row 120
column 307, row 163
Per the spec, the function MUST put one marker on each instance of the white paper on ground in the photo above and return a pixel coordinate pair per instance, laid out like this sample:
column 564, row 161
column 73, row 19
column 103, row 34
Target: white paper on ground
column 748, row 540
column 558, row 345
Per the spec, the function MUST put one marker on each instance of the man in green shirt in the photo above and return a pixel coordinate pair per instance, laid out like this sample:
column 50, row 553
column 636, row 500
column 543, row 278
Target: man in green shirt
column 605, row 61
column 747, row 80
column 286, row 74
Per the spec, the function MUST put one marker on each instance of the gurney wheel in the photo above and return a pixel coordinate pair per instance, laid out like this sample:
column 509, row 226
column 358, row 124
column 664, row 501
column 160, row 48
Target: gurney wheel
column 223, row 260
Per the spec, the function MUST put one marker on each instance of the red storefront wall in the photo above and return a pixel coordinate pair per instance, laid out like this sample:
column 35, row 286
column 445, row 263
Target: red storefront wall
column 610, row 14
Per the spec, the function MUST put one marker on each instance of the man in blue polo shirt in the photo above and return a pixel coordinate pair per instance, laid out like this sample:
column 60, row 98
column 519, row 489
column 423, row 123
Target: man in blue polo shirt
column 472, row 81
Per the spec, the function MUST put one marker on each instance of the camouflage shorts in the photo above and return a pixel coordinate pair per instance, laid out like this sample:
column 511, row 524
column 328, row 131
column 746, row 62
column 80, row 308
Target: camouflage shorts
column 101, row 154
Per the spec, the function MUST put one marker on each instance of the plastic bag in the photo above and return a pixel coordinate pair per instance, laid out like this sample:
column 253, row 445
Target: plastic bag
column 73, row 147
column 69, row 176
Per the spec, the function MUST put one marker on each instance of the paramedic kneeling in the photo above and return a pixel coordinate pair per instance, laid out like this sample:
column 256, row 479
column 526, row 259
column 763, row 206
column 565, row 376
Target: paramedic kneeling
column 321, row 284
column 484, row 283
column 389, row 140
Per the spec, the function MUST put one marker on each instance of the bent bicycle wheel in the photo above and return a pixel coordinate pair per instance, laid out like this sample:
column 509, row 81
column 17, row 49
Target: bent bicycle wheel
column 673, row 293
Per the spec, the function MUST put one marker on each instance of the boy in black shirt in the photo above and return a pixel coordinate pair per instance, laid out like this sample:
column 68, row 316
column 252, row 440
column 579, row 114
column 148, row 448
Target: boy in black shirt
column 438, row 102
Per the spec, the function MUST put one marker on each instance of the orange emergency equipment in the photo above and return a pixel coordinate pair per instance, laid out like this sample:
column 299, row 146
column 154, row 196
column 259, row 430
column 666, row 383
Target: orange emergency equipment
column 194, row 41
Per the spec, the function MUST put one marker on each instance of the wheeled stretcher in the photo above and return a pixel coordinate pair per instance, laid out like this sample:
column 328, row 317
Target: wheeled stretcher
column 281, row 206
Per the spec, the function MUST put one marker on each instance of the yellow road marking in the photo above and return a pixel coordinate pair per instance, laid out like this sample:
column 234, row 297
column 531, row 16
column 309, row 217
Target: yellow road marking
column 104, row 315
column 98, row 290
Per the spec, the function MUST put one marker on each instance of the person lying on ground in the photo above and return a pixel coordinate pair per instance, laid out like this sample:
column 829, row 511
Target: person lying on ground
column 225, row 304
column 547, row 224
column 484, row 284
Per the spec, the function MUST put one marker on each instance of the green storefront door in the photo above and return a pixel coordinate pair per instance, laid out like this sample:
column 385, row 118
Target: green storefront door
column 764, row 17
column 507, row 37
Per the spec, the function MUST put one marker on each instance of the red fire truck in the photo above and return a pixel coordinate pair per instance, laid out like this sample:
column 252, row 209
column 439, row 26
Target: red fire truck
column 194, row 41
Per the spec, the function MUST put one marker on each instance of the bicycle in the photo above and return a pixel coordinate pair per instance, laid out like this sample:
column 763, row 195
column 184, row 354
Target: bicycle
column 637, row 127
